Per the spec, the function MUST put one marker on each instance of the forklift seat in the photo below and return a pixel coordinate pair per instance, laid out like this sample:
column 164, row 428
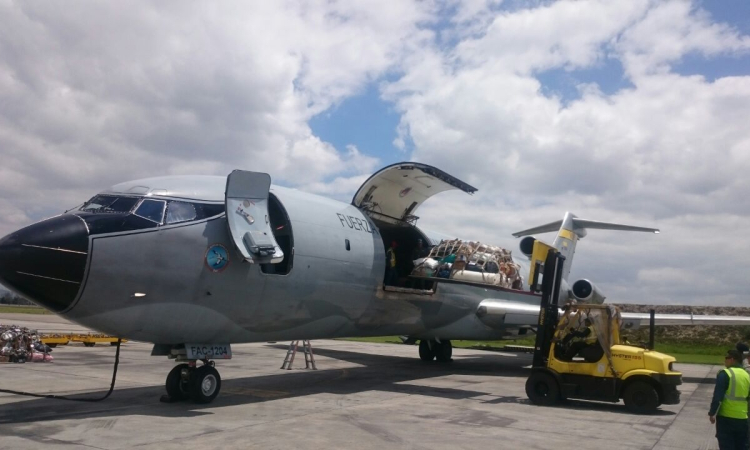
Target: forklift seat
column 592, row 353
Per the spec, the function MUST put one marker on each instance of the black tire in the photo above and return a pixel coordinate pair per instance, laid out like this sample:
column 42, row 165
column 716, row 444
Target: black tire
column 444, row 351
column 205, row 384
column 425, row 352
column 89, row 344
column 641, row 397
column 51, row 345
column 177, row 388
column 113, row 344
column 542, row 389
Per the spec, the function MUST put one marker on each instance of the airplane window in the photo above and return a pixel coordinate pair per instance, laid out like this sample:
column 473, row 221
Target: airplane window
column 205, row 210
column 151, row 210
column 180, row 212
column 109, row 203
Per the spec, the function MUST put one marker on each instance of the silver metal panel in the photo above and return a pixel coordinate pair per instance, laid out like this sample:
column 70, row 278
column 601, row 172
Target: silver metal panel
column 322, row 226
column 247, row 216
column 184, row 300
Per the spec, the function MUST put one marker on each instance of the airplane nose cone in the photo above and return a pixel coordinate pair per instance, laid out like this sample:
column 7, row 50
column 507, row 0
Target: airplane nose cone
column 45, row 262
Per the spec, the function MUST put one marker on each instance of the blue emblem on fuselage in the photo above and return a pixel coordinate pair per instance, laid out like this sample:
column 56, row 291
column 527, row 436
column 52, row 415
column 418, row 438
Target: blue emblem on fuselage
column 217, row 258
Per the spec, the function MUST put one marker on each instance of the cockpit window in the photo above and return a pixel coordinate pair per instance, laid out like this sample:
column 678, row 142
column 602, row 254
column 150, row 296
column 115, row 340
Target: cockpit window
column 142, row 212
column 205, row 210
column 180, row 212
column 152, row 210
column 109, row 203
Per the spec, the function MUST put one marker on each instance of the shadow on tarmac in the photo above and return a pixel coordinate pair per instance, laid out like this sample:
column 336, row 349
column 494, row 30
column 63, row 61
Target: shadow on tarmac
column 375, row 373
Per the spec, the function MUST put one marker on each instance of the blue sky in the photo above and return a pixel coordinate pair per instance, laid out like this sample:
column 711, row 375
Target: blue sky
column 734, row 12
column 363, row 120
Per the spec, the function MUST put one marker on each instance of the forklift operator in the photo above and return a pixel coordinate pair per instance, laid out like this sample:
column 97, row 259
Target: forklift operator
column 578, row 340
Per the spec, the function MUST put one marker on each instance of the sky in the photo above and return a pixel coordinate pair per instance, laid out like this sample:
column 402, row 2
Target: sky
column 624, row 111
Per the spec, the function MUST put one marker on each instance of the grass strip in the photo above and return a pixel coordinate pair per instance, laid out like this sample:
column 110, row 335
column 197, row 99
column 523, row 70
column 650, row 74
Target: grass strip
column 13, row 309
column 692, row 353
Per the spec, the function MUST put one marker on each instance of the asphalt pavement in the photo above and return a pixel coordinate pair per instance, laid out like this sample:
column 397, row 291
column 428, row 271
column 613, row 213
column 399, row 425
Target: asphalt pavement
column 363, row 396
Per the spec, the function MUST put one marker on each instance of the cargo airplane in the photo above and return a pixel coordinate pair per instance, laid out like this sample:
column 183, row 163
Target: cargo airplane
column 193, row 264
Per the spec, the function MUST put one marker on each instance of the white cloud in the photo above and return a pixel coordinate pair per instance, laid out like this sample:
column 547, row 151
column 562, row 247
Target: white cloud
column 669, row 151
column 94, row 94
column 671, row 30
column 340, row 188
column 566, row 34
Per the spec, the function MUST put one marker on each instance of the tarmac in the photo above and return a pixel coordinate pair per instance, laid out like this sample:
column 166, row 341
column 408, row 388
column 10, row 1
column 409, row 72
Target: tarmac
column 363, row 396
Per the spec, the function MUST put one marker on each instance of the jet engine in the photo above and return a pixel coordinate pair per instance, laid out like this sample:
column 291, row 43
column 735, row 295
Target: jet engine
column 585, row 292
column 527, row 245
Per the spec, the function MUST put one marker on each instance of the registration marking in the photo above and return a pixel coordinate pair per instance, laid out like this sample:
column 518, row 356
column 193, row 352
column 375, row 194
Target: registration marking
column 208, row 351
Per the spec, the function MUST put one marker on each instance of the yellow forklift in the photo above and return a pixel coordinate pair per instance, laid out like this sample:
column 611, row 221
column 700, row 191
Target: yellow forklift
column 578, row 355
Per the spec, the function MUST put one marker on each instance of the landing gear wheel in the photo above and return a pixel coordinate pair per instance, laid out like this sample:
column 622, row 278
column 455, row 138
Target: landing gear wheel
column 177, row 388
column 443, row 351
column 426, row 351
column 205, row 384
column 89, row 344
column 641, row 398
column 542, row 389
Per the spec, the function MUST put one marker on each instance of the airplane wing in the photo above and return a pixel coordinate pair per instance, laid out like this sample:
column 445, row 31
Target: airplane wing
column 633, row 320
column 497, row 313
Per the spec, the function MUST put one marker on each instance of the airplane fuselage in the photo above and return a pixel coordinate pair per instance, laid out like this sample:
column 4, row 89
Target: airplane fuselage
column 163, row 284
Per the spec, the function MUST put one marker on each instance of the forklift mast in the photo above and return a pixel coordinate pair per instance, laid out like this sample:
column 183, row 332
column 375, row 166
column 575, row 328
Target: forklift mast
column 549, row 310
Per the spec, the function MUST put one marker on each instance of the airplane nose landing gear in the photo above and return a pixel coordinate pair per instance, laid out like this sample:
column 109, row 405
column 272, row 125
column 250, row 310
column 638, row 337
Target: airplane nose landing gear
column 178, row 387
column 186, row 381
column 205, row 384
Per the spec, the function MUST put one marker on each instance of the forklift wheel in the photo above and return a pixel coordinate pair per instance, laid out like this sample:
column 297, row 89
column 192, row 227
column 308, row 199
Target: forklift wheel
column 542, row 389
column 641, row 398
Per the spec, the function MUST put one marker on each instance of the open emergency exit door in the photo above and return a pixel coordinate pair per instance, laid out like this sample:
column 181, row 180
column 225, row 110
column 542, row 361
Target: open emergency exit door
column 246, row 200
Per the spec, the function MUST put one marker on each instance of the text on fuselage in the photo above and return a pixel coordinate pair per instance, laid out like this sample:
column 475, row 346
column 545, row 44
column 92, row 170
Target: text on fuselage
column 356, row 223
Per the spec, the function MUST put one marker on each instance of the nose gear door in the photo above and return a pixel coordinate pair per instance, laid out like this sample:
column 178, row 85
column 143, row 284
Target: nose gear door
column 246, row 199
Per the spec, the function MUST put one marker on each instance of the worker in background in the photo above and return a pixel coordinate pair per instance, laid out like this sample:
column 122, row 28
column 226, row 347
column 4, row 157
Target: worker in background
column 391, row 274
column 581, row 338
column 729, row 404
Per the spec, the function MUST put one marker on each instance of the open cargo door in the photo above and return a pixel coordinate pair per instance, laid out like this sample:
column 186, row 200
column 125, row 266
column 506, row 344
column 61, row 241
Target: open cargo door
column 247, row 215
column 395, row 192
